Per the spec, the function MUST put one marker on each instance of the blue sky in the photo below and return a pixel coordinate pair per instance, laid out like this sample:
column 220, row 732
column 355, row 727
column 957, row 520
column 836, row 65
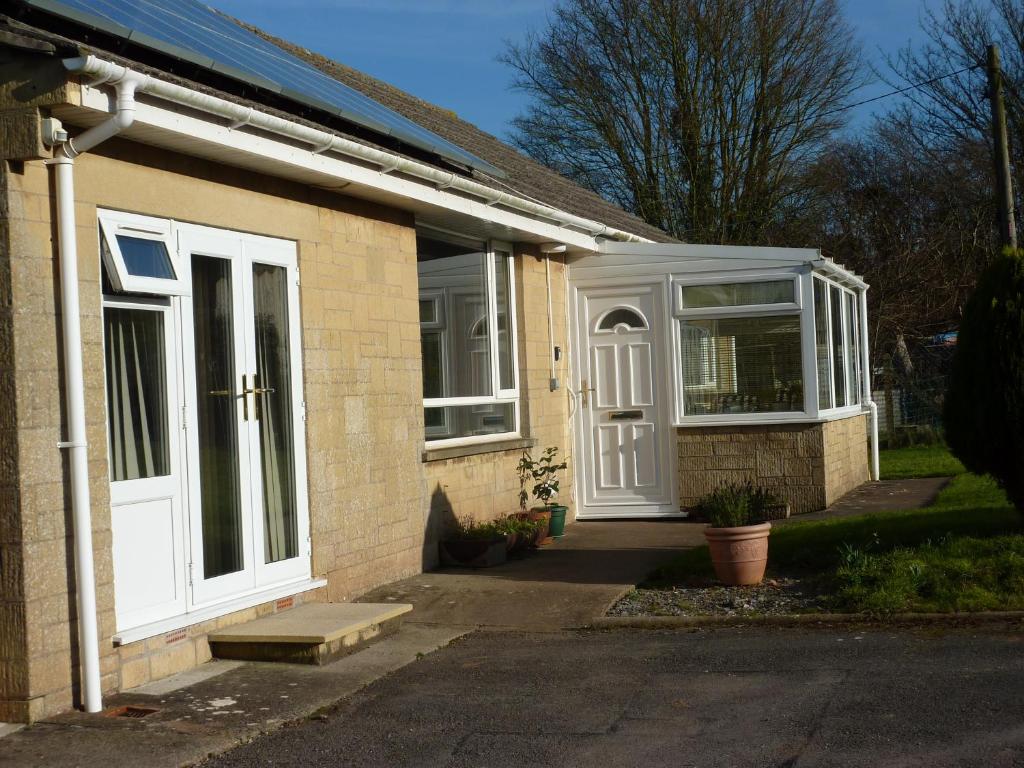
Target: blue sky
column 445, row 51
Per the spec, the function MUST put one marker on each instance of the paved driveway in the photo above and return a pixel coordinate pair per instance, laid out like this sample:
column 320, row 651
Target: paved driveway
column 738, row 697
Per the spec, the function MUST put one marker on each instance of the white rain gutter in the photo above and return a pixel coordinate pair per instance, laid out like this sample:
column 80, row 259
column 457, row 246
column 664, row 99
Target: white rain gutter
column 866, row 380
column 63, row 162
column 322, row 141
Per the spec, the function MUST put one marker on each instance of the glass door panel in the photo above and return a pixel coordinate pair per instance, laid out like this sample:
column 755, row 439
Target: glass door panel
column 217, row 416
column 272, row 408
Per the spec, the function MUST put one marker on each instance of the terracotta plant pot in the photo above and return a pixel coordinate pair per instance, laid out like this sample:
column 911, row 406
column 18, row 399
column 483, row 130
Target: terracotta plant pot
column 739, row 555
column 542, row 514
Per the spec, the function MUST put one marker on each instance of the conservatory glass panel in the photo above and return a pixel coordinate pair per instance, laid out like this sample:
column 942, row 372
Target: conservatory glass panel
column 748, row 364
column 838, row 355
column 738, row 294
column 821, row 344
column 852, row 358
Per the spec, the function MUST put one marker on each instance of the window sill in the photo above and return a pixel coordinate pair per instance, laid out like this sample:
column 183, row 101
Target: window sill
column 751, row 419
column 215, row 611
column 472, row 449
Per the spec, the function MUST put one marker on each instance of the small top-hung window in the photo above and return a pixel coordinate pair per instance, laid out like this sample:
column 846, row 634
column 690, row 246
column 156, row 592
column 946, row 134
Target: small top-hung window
column 139, row 254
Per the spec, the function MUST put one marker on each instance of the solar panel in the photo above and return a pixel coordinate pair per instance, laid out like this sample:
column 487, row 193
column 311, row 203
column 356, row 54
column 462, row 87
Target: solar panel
column 196, row 33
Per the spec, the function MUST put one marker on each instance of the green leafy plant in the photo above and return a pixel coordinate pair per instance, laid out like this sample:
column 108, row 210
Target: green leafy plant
column 736, row 504
column 468, row 528
column 984, row 407
column 513, row 524
column 543, row 473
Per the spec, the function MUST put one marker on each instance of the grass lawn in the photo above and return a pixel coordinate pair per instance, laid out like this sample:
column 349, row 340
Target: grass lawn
column 919, row 461
column 965, row 552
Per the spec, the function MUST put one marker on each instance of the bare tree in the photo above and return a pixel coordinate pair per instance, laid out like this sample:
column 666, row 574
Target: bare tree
column 698, row 115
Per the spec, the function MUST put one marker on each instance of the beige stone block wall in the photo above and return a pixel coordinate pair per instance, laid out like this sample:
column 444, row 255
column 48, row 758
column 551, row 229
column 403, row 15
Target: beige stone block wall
column 362, row 381
column 847, row 465
column 485, row 486
column 369, row 489
column 13, row 652
column 809, row 465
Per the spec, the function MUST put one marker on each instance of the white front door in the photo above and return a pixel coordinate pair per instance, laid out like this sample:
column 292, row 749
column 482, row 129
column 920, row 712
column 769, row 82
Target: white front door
column 245, row 448
column 624, row 430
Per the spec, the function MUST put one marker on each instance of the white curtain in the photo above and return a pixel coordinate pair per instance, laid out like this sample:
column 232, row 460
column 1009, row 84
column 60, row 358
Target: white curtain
column 273, row 370
column 135, row 393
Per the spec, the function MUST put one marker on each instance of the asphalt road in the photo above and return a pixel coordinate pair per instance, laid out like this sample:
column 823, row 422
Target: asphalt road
column 728, row 697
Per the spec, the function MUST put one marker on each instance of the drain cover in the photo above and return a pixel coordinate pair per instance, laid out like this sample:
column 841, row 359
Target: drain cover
column 130, row 711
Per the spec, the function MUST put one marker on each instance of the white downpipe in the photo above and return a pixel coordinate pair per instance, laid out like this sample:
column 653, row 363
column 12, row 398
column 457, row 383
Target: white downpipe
column 322, row 141
column 865, row 356
column 71, row 326
column 552, row 373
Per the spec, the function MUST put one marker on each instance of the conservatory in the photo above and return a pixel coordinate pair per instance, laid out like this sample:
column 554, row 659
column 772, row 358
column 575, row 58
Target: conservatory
column 699, row 365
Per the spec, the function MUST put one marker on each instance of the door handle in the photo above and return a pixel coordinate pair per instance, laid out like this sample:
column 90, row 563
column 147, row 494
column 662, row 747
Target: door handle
column 584, row 389
column 254, row 390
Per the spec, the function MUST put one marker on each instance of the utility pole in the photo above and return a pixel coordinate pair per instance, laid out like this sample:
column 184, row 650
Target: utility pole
column 1001, row 151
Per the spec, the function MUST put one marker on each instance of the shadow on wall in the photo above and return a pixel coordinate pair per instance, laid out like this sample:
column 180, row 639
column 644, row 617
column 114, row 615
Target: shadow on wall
column 440, row 521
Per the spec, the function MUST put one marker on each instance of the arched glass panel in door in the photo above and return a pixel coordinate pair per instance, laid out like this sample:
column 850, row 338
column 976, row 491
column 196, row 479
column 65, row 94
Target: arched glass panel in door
column 624, row 316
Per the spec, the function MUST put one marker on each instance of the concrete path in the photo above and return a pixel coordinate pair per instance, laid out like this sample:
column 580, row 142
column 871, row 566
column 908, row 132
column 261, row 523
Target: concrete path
column 882, row 496
column 209, row 710
column 562, row 585
column 730, row 698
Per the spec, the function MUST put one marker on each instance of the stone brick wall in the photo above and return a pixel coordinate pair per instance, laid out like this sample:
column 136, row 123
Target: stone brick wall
column 363, row 390
column 847, row 465
column 809, row 465
column 370, row 493
column 13, row 651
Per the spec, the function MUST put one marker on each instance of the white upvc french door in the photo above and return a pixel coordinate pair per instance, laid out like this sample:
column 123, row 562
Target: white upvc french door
column 243, row 406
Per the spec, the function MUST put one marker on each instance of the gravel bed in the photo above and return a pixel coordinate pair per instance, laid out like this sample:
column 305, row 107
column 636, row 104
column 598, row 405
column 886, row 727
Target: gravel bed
column 773, row 597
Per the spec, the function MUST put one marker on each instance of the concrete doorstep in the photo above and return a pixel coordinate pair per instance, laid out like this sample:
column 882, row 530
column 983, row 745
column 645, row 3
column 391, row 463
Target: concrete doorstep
column 180, row 721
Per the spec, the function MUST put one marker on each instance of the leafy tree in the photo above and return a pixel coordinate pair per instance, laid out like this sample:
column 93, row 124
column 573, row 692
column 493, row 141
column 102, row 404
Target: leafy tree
column 984, row 412
column 697, row 115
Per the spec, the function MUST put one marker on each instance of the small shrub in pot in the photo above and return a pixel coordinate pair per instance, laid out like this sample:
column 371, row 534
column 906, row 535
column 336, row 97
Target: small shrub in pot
column 737, row 532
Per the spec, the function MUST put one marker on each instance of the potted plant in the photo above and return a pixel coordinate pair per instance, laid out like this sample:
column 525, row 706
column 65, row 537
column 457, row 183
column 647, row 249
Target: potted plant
column 473, row 544
column 543, row 473
column 737, row 533
column 520, row 532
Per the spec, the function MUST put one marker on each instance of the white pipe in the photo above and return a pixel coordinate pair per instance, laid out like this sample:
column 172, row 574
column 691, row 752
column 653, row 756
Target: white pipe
column 865, row 357
column 552, row 378
column 74, row 383
column 322, row 141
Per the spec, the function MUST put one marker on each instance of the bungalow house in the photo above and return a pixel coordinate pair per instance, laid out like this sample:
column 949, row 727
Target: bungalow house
column 267, row 324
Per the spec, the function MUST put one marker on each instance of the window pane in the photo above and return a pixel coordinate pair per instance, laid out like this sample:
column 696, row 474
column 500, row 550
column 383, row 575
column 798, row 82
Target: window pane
column 506, row 376
column 217, row 416
column 821, row 344
column 428, row 311
column 853, row 392
column 621, row 316
column 747, row 365
column 855, row 336
column 458, row 272
column 736, row 294
column 433, row 362
column 273, row 410
column 469, row 420
column 145, row 258
column 838, row 376
column 136, row 393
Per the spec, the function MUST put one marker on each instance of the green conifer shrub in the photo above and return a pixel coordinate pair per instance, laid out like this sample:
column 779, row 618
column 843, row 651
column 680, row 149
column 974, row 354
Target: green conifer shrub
column 984, row 408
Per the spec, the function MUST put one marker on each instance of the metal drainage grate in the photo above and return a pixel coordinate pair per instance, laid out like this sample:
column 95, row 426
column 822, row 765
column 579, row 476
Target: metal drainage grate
column 130, row 711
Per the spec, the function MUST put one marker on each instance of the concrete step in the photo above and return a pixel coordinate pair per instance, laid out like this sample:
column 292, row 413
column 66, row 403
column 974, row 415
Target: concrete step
column 313, row 633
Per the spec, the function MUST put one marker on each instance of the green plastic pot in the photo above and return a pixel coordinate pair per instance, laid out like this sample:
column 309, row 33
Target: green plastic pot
column 556, row 527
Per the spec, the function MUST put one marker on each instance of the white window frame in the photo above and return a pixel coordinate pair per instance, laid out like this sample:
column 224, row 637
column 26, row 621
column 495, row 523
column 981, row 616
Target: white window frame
column 850, row 358
column 499, row 396
column 112, row 223
column 781, row 309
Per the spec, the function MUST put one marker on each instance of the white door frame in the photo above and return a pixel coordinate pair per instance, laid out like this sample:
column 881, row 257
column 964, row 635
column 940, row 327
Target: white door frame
column 243, row 250
column 662, row 377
